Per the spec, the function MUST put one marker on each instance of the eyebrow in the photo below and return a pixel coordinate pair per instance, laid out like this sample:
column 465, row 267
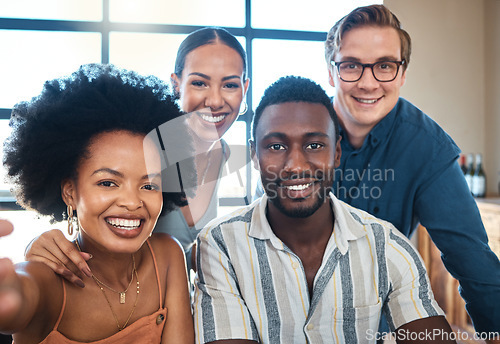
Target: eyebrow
column 282, row 136
column 380, row 59
column 209, row 77
column 119, row 174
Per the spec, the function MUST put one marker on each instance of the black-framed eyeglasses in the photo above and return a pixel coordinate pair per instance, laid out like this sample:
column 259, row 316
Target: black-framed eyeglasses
column 383, row 71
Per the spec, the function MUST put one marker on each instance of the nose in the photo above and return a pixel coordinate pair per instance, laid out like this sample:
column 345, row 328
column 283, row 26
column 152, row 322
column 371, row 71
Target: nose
column 296, row 162
column 130, row 199
column 368, row 80
column 214, row 99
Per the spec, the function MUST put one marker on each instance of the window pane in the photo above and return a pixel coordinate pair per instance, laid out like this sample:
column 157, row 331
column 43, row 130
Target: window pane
column 145, row 53
column 231, row 185
column 273, row 59
column 89, row 10
column 37, row 56
column 312, row 15
column 186, row 12
column 5, row 194
column 27, row 225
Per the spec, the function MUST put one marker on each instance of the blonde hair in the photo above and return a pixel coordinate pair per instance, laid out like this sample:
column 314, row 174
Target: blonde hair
column 373, row 15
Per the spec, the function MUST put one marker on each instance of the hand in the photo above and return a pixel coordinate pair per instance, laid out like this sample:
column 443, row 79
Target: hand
column 54, row 250
column 5, row 227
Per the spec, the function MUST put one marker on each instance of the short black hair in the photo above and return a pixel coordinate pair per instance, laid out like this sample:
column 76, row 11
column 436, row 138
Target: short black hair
column 208, row 35
column 52, row 132
column 295, row 89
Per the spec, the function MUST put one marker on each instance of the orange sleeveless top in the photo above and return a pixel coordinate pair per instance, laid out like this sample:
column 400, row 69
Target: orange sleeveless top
column 146, row 330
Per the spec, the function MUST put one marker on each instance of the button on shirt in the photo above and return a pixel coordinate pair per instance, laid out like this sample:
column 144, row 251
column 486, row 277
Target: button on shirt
column 251, row 286
column 406, row 172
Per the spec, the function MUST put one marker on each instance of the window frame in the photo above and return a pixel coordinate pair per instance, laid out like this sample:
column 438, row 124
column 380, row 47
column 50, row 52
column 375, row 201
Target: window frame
column 105, row 27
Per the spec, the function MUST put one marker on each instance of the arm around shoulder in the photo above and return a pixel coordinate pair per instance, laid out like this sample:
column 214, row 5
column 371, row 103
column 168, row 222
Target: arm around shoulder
column 53, row 249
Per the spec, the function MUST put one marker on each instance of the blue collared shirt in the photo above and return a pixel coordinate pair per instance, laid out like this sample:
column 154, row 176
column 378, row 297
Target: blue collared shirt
column 406, row 172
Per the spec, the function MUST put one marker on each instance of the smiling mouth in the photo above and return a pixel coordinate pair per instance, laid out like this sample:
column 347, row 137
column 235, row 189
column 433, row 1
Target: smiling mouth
column 212, row 119
column 298, row 187
column 126, row 224
column 367, row 101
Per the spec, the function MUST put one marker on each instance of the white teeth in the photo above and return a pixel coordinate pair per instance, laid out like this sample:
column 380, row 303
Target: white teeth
column 298, row 187
column 366, row 101
column 212, row 119
column 124, row 223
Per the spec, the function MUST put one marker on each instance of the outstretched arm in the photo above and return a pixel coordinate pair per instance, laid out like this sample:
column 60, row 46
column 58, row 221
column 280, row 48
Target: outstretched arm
column 20, row 292
column 19, row 298
column 54, row 250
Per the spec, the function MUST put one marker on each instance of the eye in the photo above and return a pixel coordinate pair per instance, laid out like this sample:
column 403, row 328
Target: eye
column 349, row 66
column 314, row 146
column 386, row 66
column 276, row 146
column 151, row 187
column 232, row 85
column 198, row 83
column 106, row 183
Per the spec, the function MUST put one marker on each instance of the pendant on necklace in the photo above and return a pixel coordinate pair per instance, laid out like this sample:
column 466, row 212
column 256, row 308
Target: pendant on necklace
column 122, row 297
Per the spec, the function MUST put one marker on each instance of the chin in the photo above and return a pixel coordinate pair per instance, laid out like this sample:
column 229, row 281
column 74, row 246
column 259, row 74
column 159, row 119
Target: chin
column 298, row 210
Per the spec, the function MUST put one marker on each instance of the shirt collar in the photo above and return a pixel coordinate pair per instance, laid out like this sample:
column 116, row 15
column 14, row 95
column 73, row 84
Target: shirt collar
column 381, row 130
column 346, row 227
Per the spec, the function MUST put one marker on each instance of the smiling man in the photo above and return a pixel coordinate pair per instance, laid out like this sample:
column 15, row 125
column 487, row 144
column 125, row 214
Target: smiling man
column 298, row 265
column 397, row 163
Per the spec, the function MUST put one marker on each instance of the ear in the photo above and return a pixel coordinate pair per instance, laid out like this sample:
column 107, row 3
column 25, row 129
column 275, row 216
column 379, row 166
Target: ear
column 331, row 76
column 245, row 87
column 403, row 78
column 68, row 192
column 253, row 155
column 338, row 153
column 174, row 80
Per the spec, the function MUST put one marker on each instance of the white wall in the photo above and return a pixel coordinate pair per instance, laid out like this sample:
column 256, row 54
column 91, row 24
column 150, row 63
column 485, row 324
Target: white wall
column 447, row 76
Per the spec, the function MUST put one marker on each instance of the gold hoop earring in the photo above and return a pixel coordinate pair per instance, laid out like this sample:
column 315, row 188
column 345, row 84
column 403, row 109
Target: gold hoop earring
column 72, row 221
column 244, row 110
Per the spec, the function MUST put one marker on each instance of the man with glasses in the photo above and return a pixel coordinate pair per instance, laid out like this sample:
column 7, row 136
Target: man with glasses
column 397, row 163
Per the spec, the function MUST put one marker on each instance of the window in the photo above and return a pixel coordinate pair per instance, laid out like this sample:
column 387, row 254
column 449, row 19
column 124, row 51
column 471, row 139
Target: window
column 44, row 40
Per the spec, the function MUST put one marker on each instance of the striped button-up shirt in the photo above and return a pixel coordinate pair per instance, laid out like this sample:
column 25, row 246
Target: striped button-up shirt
column 250, row 285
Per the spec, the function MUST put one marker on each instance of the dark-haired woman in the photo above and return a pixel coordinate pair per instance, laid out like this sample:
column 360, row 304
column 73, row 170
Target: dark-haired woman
column 82, row 149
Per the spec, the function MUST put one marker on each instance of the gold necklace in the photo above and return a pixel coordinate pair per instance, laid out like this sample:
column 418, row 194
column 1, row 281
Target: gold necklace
column 134, row 271
column 109, row 303
column 120, row 293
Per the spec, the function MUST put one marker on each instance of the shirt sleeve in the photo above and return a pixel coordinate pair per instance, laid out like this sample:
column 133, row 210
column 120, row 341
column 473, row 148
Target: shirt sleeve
column 450, row 214
column 410, row 294
column 219, row 309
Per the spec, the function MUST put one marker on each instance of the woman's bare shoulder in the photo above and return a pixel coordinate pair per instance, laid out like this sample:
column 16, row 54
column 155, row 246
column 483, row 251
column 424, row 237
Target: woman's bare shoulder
column 166, row 246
